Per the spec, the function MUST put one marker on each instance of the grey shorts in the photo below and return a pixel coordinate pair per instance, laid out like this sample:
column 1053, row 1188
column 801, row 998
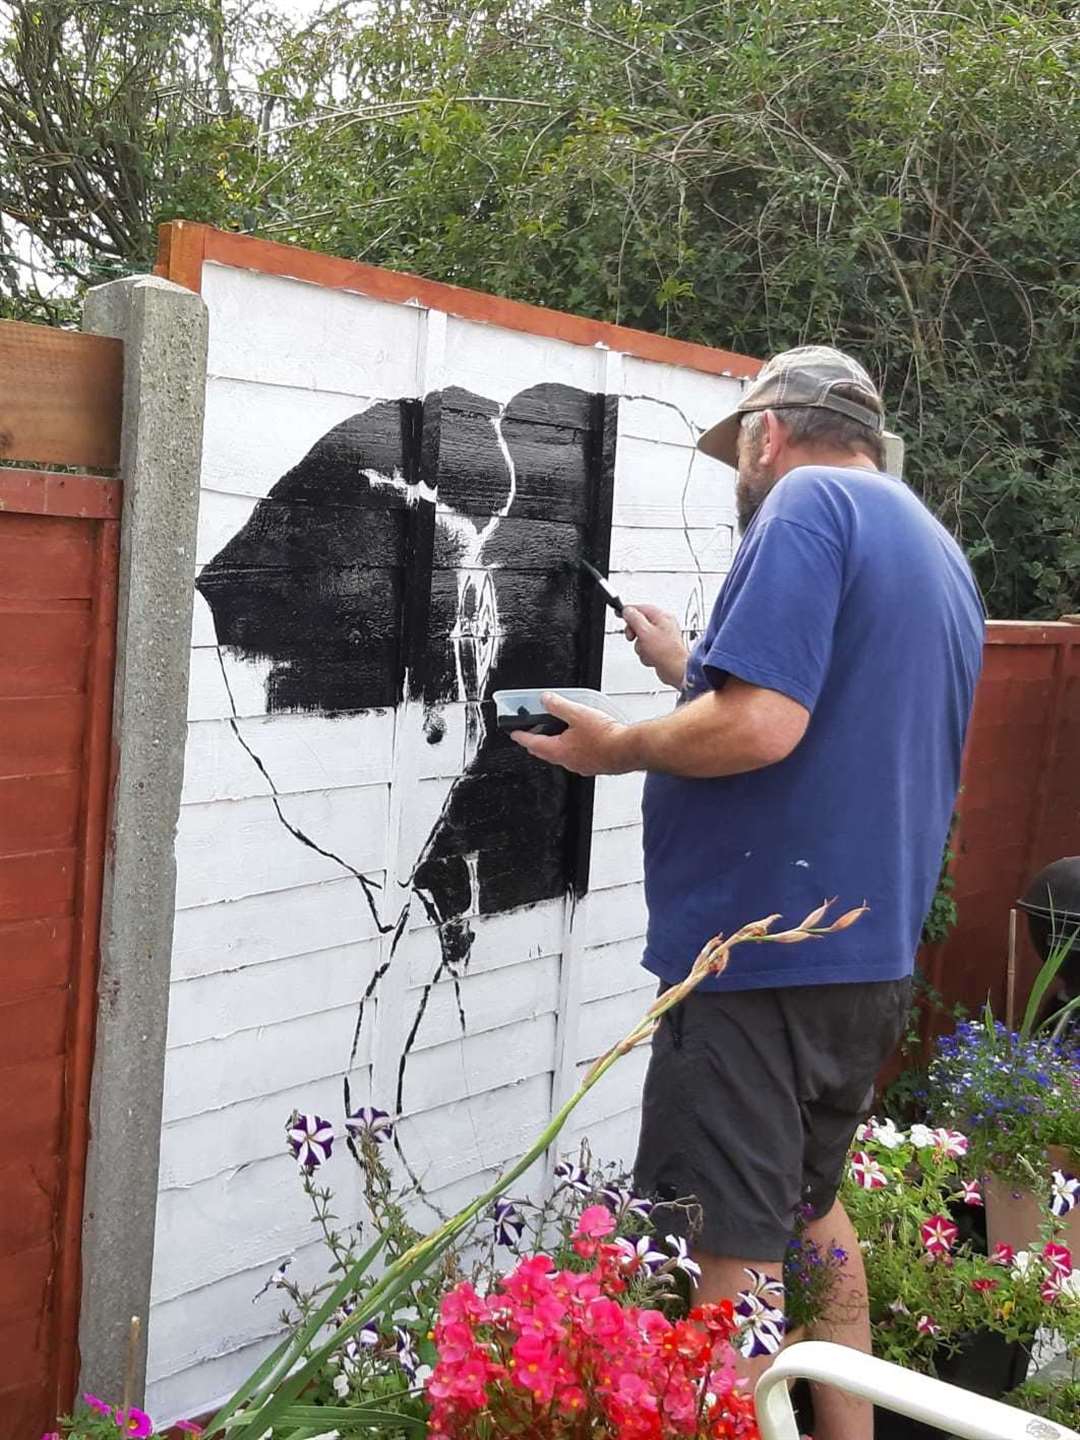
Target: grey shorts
column 751, row 1101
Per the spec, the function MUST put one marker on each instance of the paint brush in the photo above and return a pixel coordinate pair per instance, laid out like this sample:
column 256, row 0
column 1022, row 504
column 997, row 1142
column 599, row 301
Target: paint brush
column 610, row 597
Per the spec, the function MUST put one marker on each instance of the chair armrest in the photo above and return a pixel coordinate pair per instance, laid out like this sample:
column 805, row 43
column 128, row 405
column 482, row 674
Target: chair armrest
column 958, row 1412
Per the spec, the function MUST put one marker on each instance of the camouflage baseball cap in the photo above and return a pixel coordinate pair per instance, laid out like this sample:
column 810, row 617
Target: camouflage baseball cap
column 804, row 377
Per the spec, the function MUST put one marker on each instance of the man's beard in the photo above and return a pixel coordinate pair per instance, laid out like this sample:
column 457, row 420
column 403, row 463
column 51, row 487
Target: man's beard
column 753, row 484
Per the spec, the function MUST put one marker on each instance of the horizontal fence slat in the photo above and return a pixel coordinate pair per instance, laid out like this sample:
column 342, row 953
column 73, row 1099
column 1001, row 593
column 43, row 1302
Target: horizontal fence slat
column 40, row 492
column 61, row 395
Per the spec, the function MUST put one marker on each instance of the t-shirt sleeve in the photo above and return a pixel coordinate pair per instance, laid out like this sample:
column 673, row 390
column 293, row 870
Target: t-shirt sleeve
column 778, row 611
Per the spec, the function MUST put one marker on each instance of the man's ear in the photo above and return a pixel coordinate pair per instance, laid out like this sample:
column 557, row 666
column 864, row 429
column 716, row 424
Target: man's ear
column 772, row 437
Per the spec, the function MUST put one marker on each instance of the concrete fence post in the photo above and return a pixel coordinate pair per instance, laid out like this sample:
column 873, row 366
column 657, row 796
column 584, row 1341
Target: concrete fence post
column 164, row 330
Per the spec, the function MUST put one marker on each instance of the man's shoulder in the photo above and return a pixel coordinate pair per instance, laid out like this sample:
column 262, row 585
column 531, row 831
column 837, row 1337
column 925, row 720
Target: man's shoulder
column 810, row 484
column 816, row 497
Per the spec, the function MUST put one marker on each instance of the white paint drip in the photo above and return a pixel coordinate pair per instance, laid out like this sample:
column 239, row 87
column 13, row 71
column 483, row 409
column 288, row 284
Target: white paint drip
column 472, row 865
column 414, row 494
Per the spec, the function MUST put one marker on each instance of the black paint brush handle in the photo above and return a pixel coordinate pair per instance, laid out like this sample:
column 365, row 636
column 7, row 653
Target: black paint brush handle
column 610, row 597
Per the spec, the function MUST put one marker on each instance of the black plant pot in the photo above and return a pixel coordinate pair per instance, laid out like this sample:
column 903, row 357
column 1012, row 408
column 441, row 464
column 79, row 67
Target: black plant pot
column 983, row 1362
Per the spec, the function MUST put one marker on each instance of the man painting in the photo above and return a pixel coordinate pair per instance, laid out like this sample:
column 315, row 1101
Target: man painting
column 815, row 750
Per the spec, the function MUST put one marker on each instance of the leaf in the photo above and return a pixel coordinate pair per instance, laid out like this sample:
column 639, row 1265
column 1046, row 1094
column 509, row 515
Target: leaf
column 355, row 1416
column 284, row 1357
column 1045, row 978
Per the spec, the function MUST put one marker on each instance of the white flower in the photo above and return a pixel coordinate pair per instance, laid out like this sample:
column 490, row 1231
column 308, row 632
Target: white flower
column 888, row 1135
column 640, row 1254
column 922, row 1137
column 681, row 1261
column 1022, row 1263
column 341, row 1385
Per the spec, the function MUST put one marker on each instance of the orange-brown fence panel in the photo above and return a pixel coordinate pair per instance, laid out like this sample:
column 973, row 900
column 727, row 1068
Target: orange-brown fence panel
column 59, row 543
column 1019, row 807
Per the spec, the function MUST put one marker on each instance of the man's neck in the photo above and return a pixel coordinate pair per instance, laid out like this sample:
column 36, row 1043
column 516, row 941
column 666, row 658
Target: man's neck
column 797, row 455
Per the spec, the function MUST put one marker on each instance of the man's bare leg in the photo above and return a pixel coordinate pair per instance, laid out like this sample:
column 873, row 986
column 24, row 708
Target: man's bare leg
column 845, row 1321
column 722, row 1279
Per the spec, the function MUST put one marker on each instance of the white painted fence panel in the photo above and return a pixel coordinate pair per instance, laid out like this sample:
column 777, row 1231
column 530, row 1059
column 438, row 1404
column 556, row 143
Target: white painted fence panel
column 327, row 852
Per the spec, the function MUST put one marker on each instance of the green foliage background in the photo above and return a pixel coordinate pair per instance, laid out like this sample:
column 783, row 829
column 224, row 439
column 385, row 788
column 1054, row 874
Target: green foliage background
column 899, row 177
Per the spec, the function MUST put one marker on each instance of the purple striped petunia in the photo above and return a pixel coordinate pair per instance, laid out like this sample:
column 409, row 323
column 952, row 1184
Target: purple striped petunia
column 311, row 1139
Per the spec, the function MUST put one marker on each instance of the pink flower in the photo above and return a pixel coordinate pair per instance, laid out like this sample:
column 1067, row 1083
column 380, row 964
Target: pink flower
column 530, row 1280
column 456, row 1343
column 653, row 1324
column 926, row 1325
column 938, row 1235
column 604, row 1320
column 462, row 1304
column 1059, row 1258
column 595, row 1222
column 97, row 1406
column 534, row 1367
column 867, row 1172
column 464, row 1385
column 51, row 1435
column 135, row 1423
column 188, row 1427
column 971, row 1195
column 1002, row 1255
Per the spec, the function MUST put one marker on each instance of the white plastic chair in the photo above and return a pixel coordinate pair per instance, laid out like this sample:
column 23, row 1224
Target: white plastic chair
column 957, row 1412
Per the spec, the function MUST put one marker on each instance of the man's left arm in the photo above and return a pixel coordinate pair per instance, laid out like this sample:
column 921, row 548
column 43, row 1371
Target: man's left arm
column 767, row 662
column 737, row 728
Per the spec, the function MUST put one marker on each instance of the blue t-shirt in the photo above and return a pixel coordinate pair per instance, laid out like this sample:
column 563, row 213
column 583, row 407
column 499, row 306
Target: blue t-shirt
column 848, row 596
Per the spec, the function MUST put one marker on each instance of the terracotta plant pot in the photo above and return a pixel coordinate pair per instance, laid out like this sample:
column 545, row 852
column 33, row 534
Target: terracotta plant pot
column 1014, row 1215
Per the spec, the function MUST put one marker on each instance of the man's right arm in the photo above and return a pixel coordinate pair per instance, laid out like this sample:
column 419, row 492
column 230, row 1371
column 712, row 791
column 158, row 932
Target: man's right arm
column 658, row 641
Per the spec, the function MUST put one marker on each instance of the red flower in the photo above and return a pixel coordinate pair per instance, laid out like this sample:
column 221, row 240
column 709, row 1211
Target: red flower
column 938, row 1235
column 983, row 1286
column 572, row 1399
column 1059, row 1258
column 1002, row 1255
column 717, row 1319
column 553, row 1354
column 867, row 1173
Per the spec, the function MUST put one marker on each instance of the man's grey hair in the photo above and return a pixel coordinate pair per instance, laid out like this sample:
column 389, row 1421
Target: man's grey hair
column 813, row 426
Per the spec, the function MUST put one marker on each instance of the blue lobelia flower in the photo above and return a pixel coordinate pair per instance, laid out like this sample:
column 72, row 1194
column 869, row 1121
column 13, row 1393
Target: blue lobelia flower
column 509, row 1223
column 311, row 1139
